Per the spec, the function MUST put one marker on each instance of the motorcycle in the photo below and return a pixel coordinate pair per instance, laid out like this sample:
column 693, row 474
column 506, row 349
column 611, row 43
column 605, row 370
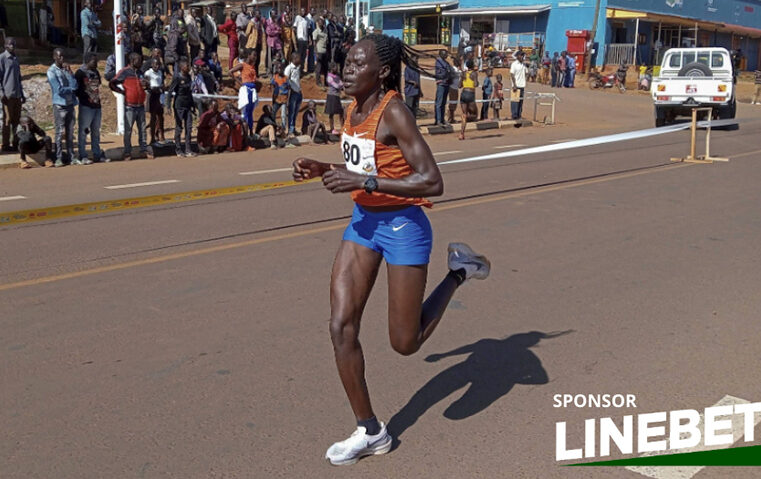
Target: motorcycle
column 617, row 79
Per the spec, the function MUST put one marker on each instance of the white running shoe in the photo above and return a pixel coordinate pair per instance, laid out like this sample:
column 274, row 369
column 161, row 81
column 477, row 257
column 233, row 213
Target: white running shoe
column 462, row 256
column 358, row 445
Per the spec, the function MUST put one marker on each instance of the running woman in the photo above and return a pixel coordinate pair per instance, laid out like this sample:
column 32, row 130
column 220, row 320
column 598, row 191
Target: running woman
column 389, row 170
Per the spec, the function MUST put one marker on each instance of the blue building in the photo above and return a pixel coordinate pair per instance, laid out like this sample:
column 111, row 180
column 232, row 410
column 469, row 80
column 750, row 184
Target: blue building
column 632, row 30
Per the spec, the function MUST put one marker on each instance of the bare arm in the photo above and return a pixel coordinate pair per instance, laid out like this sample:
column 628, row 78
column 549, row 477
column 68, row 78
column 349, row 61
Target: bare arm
column 397, row 128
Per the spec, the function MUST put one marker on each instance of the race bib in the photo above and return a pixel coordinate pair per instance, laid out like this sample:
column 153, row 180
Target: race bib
column 359, row 154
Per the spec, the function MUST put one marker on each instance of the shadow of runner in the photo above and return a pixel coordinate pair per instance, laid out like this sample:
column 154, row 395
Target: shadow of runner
column 492, row 369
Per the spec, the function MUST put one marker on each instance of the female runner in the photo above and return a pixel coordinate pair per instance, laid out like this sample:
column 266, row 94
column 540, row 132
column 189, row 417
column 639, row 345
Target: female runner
column 388, row 169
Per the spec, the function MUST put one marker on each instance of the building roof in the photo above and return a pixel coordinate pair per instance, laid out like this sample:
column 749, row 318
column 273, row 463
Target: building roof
column 516, row 10
column 415, row 6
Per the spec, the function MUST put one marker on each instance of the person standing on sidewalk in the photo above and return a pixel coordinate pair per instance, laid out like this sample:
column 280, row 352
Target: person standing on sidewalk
column 88, row 93
column 487, row 88
column 301, row 26
column 443, row 79
column 130, row 83
column 412, row 89
column 293, row 73
column 63, row 85
column 90, row 23
column 570, row 73
column 320, row 41
column 180, row 92
column 757, row 95
column 11, row 94
column 241, row 22
column 518, row 76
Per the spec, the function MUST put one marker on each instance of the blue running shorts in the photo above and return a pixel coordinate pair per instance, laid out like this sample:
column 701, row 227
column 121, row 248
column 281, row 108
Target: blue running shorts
column 403, row 237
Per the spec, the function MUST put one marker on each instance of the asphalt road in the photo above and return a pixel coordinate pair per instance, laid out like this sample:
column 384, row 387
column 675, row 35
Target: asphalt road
column 190, row 340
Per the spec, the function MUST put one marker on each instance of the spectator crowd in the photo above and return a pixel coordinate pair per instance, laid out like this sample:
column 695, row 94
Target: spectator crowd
column 171, row 65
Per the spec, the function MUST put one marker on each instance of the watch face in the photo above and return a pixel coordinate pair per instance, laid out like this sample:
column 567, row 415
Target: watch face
column 371, row 184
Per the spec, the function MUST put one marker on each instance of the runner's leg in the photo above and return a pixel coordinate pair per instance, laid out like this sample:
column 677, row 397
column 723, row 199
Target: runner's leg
column 354, row 272
column 410, row 320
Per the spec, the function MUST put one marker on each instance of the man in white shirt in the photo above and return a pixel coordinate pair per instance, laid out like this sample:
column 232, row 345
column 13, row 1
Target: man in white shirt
column 293, row 72
column 518, row 77
column 301, row 25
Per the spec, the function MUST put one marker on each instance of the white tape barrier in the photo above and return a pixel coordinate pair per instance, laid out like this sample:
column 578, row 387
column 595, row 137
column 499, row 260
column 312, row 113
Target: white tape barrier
column 527, row 96
column 598, row 140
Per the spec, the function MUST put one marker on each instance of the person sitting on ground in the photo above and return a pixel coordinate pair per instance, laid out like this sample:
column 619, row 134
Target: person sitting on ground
column 333, row 103
column 238, row 128
column 212, row 129
column 28, row 143
column 267, row 126
column 310, row 125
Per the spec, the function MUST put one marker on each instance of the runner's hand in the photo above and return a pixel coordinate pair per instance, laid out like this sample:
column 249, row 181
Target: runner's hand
column 306, row 169
column 340, row 180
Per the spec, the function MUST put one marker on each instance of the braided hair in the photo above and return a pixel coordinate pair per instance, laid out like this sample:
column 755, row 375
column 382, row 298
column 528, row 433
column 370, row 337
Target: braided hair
column 392, row 52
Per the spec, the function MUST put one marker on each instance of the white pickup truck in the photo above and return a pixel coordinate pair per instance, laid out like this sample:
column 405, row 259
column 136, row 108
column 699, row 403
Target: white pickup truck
column 694, row 77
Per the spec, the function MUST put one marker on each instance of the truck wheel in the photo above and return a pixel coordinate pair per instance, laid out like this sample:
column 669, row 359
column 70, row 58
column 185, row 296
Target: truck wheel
column 660, row 117
column 728, row 113
column 695, row 69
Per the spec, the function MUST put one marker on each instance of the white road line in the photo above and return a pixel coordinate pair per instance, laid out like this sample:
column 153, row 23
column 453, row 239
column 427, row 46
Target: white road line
column 11, row 198
column 561, row 141
column 598, row 140
column 136, row 185
column 507, row 146
column 262, row 172
column 687, row 472
column 453, row 152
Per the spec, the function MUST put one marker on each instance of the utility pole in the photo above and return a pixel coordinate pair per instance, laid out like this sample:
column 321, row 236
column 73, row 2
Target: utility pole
column 588, row 66
column 119, row 54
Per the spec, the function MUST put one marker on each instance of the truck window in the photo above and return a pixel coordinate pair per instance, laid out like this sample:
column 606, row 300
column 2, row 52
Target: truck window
column 675, row 61
column 717, row 60
column 689, row 57
column 703, row 57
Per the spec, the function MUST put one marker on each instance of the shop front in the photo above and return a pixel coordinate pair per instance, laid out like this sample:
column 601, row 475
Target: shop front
column 421, row 23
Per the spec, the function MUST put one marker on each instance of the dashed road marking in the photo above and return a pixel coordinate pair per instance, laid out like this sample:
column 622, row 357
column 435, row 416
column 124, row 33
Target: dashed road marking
column 561, row 141
column 12, row 198
column 502, row 147
column 262, row 172
column 137, row 185
column 453, row 152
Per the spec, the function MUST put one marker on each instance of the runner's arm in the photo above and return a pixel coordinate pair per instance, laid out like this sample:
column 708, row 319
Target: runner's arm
column 402, row 131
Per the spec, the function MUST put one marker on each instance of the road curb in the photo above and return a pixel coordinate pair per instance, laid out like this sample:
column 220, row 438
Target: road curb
column 475, row 126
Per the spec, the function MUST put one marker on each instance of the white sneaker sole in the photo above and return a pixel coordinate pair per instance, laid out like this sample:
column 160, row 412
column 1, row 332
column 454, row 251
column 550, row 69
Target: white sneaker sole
column 373, row 451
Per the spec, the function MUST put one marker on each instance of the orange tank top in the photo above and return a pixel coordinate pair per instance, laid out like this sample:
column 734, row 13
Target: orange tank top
column 366, row 156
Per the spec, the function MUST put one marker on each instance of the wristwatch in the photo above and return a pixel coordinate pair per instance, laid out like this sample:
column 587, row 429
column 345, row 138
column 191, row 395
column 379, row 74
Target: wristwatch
column 371, row 184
